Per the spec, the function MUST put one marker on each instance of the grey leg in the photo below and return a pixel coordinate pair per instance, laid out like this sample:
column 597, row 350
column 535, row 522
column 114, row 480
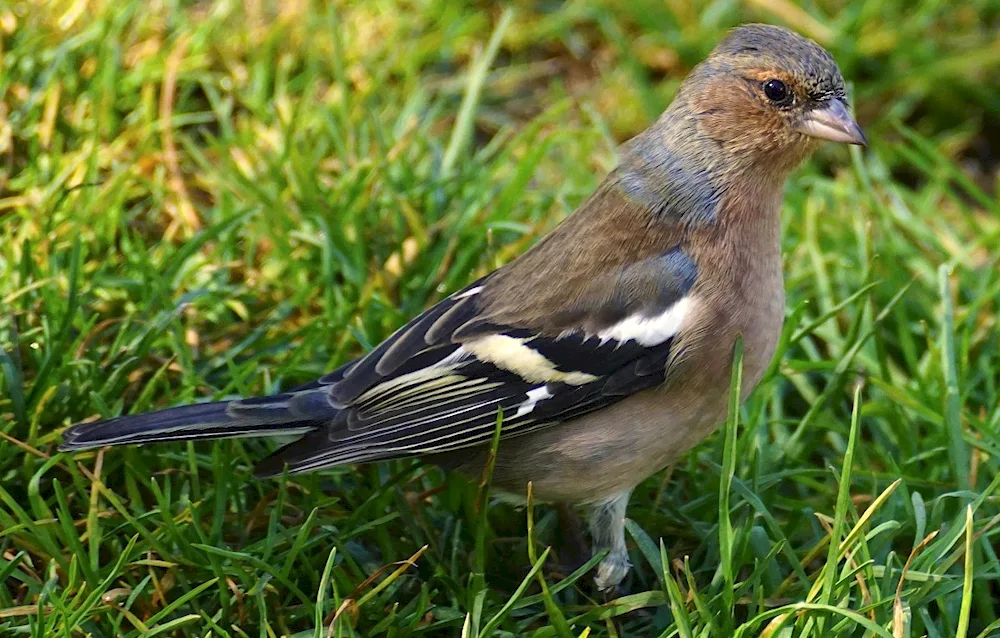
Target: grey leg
column 607, row 529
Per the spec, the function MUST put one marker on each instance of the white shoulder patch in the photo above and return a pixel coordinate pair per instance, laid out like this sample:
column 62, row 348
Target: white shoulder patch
column 649, row 331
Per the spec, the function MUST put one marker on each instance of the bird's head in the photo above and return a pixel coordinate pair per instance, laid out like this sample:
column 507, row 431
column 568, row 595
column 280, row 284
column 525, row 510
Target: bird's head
column 766, row 96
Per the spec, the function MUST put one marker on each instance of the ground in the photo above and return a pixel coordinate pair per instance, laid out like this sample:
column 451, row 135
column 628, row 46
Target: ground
column 207, row 199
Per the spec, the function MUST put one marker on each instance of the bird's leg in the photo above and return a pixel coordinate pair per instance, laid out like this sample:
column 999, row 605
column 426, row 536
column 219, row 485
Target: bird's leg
column 571, row 543
column 607, row 529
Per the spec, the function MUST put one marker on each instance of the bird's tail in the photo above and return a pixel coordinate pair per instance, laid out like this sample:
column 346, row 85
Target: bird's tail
column 218, row 420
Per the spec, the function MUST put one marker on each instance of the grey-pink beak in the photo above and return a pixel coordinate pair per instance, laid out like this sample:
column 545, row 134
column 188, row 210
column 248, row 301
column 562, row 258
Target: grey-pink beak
column 832, row 121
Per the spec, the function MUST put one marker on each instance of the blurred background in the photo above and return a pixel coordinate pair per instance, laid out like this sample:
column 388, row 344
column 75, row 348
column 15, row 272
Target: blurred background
column 201, row 199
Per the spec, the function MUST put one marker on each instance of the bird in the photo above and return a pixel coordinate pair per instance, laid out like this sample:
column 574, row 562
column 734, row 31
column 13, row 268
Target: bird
column 606, row 349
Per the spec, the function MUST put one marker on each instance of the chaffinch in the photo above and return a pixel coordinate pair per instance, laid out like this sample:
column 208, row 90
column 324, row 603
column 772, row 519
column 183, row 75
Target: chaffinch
column 608, row 346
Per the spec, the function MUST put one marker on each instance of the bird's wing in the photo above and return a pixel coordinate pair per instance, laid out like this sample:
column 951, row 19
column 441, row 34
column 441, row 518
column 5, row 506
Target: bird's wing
column 537, row 356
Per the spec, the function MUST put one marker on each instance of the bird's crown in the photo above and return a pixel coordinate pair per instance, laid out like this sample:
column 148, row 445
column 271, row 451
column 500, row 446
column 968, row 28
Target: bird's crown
column 768, row 46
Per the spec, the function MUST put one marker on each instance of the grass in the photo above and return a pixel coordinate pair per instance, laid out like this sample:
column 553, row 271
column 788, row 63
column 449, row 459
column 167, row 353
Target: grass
column 211, row 199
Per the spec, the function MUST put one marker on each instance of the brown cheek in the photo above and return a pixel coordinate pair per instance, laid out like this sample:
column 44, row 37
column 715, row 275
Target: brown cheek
column 727, row 112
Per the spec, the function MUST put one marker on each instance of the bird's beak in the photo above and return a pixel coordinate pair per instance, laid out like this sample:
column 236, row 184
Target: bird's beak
column 833, row 122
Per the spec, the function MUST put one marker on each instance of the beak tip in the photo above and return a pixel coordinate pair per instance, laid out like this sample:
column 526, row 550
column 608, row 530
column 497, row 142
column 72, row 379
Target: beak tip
column 858, row 137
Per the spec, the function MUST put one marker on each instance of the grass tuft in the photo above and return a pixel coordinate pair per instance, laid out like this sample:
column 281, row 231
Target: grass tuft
column 210, row 199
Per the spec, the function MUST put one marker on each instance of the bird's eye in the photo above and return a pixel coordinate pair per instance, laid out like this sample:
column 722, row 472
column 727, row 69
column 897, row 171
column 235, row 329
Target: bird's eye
column 776, row 91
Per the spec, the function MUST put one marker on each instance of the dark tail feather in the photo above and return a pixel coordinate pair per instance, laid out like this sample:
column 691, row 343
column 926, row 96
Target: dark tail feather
column 315, row 451
column 290, row 455
column 185, row 423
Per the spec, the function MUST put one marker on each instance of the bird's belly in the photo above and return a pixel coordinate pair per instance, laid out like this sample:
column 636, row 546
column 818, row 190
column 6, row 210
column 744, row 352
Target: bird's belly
column 598, row 455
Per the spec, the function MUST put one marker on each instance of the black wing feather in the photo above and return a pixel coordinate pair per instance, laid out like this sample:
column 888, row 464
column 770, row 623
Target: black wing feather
column 418, row 418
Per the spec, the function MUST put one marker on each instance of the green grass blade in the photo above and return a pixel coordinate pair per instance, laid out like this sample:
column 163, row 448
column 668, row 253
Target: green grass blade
column 730, row 432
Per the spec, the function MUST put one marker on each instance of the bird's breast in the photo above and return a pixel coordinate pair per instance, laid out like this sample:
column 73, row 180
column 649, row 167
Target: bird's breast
column 744, row 297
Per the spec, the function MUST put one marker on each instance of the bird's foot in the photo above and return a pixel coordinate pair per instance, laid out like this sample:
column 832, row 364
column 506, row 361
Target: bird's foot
column 607, row 527
column 611, row 573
